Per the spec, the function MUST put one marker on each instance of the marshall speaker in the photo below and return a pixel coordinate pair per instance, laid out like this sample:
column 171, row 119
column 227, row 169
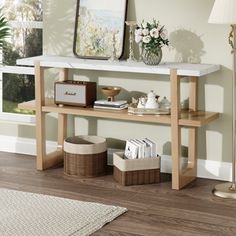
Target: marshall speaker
column 75, row 93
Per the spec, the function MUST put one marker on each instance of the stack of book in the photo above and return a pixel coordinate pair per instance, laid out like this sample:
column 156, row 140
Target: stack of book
column 140, row 148
column 115, row 105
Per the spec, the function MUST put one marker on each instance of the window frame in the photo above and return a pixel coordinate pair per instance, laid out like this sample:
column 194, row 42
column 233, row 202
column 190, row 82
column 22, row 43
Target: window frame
column 17, row 117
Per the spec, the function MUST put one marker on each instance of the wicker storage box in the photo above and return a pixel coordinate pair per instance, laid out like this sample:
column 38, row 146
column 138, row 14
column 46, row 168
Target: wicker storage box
column 136, row 171
column 85, row 156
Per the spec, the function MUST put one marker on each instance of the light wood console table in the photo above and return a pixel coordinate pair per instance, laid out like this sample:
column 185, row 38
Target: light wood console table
column 191, row 119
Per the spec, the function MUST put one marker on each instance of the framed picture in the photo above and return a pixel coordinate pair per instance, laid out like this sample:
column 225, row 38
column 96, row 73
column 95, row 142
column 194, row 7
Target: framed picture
column 99, row 28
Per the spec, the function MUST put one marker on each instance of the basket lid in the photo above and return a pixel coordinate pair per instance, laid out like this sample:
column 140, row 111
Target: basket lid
column 84, row 144
column 78, row 140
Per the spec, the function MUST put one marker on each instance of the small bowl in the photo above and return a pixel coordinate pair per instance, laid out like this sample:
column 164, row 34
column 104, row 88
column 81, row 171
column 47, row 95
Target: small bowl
column 111, row 92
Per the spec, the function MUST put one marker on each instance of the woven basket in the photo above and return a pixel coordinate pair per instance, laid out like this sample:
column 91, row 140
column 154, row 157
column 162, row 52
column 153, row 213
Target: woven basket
column 85, row 156
column 136, row 171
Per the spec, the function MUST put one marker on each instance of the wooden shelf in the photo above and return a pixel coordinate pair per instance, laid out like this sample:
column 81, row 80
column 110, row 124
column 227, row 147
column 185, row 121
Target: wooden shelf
column 197, row 118
column 190, row 119
column 30, row 105
column 176, row 71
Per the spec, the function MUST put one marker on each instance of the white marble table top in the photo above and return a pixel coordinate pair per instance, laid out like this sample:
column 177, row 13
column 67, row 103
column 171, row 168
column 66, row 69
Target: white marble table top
column 183, row 69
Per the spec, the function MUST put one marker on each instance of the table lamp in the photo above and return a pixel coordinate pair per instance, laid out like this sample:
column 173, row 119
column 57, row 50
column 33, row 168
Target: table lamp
column 224, row 12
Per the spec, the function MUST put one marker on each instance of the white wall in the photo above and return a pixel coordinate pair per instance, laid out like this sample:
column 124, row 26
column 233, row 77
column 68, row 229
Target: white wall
column 190, row 34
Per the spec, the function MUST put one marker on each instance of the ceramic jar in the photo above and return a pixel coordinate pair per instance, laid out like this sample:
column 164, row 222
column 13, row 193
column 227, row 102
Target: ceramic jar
column 151, row 100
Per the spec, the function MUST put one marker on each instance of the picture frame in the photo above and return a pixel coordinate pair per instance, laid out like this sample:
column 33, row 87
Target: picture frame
column 99, row 28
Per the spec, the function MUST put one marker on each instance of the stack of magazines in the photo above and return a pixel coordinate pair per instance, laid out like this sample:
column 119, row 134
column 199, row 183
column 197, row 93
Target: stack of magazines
column 140, row 148
column 113, row 105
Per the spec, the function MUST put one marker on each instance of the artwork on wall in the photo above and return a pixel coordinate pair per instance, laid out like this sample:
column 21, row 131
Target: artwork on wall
column 99, row 28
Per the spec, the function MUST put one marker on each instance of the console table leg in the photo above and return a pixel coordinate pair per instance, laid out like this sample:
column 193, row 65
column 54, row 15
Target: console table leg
column 193, row 91
column 64, row 74
column 56, row 158
column 62, row 129
column 62, row 118
column 189, row 174
column 40, row 140
column 40, row 116
column 182, row 177
column 192, row 149
column 175, row 128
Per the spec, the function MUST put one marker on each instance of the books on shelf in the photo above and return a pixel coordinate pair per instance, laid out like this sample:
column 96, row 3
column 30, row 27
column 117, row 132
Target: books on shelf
column 113, row 105
column 140, row 148
column 111, row 108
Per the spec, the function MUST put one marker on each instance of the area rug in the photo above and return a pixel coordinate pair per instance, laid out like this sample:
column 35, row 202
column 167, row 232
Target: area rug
column 30, row 214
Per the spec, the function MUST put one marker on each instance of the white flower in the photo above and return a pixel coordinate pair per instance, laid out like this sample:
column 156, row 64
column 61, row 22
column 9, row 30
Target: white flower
column 144, row 25
column 164, row 34
column 159, row 27
column 138, row 38
column 146, row 39
column 154, row 33
column 138, row 32
column 149, row 35
column 145, row 32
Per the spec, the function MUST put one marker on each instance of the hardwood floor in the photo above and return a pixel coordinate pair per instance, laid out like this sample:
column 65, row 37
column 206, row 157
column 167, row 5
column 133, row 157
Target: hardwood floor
column 152, row 209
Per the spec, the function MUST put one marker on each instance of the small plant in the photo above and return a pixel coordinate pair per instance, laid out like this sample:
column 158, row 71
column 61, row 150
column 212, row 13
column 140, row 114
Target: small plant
column 151, row 35
column 4, row 29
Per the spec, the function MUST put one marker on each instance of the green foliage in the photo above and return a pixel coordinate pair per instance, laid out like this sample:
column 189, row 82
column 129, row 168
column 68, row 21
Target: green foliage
column 11, row 107
column 4, row 29
column 9, row 54
column 18, row 88
column 33, row 43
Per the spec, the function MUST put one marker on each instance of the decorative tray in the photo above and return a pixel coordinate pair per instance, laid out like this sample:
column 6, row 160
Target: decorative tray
column 148, row 111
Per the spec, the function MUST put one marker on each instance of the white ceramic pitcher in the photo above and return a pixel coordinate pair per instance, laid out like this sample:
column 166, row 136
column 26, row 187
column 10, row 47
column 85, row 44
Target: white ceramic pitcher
column 151, row 101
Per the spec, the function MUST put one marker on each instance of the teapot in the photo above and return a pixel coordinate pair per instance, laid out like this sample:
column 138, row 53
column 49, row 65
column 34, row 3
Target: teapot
column 152, row 100
column 142, row 102
column 165, row 103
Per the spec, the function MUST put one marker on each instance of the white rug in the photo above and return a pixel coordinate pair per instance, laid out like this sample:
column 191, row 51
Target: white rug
column 30, row 214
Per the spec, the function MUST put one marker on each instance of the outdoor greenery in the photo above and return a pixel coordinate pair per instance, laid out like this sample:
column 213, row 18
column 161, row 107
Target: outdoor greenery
column 24, row 42
column 4, row 29
column 12, row 107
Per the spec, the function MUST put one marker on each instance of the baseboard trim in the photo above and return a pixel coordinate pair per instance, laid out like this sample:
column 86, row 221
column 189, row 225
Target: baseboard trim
column 206, row 168
column 22, row 145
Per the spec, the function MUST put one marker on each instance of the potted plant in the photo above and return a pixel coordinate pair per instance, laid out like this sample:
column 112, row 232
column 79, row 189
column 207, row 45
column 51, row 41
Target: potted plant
column 151, row 37
column 4, row 29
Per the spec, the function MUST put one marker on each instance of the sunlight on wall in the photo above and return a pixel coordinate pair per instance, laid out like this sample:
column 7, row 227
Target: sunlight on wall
column 211, row 98
column 214, row 142
column 215, row 170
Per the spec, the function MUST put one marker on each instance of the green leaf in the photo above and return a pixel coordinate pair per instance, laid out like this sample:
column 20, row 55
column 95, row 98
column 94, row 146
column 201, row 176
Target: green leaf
column 4, row 29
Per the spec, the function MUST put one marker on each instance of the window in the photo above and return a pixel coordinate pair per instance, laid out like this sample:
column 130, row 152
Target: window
column 25, row 40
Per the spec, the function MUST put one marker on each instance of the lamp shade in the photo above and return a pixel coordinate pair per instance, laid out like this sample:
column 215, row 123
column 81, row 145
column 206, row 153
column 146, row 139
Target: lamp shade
column 223, row 12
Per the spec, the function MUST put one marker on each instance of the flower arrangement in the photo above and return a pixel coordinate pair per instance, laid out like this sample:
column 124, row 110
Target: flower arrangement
column 151, row 35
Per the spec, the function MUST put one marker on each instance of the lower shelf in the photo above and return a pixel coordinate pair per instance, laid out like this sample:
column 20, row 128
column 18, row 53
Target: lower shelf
column 189, row 119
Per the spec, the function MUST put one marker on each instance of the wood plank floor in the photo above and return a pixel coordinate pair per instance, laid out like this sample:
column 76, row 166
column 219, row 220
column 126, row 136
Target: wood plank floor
column 152, row 209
